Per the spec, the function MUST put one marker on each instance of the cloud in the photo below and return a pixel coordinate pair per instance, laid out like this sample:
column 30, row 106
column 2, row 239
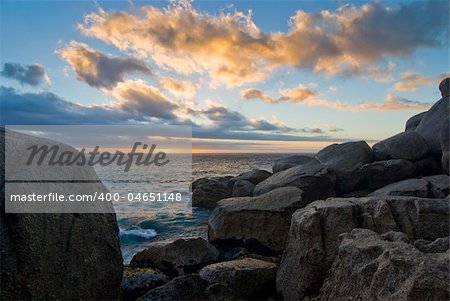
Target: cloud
column 179, row 88
column 411, row 81
column 303, row 95
column 97, row 69
column 297, row 94
column 47, row 108
column 234, row 51
column 32, row 75
column 253, row 93
column 224, row 118
column 140, row 99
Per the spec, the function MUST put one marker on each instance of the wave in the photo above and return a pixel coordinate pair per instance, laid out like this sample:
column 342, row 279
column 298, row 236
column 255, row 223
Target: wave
column 139, row 232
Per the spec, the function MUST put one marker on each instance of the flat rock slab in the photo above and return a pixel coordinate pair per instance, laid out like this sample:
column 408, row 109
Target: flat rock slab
column 260, row 222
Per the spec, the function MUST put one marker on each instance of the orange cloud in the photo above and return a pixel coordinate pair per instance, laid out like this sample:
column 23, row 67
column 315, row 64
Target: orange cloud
column 97, row 69
column 234, row 51
column 179, row 88
column 410, row 81
column 303, row 95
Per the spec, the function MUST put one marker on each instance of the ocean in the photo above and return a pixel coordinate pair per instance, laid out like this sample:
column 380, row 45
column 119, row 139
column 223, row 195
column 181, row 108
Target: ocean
column 140, row 227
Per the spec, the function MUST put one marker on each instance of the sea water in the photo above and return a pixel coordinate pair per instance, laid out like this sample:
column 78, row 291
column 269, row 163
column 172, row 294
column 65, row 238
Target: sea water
column 139, row 227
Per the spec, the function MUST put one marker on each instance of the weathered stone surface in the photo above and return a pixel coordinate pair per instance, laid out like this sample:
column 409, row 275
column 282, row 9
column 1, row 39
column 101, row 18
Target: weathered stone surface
column 345, row 159
column 313, row 236
column 316, row 180
column 188, row 287
column 178, row 257
column 432, row 124
column 427, row 187
column 206, row 192
column 248, row 277
column 58, row 256
column 137, row 281
column 291, row 161
column 254, row 176
column 259, row 223
column 414, row 121
column 370, row 268
column 243, row 188
column 408, row 145
column 439, row 245
column 381, row 173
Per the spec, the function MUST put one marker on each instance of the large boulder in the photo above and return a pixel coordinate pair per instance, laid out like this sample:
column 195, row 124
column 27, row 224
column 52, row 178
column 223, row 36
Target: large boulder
column 345, row 159
column 137, row 281
column 254, row 176
column 188, row 287
column 206, row 192
column 178, row 257
column 250, row 278
column 434, row 120
column 414, row 121
column 57, row 256
column 260, row 223
column 368, row 267
column 313, row 238
column 315, row 179
column 426, row 187
column 381, row 173
column 291, row 161
column 408, row 145
column 243, row 188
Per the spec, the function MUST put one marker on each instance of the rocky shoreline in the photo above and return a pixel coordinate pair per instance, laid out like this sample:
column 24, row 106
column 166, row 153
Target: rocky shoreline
column 353, row 222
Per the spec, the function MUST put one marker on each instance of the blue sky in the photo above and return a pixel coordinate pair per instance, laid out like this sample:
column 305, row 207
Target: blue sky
column 295, row 74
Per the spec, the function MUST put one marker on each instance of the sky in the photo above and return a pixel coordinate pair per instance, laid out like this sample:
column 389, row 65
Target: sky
column 247, row 76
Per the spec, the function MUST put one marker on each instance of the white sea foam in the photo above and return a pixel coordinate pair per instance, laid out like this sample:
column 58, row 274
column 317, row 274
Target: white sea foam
column 144, row 233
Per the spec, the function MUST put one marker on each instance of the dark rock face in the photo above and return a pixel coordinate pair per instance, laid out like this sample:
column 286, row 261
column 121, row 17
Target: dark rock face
column 345, row 160
column 250, row 278
column 137, row 281
column 291, row 161
column 176, row 258
column 408, row 145
column 254, row 176
column 444, row 86
column 367, row 267
column 316, row 180
column 444, row 141
column 414, row 121
column 433, row 123
column 260, row 223
column 189, row 287
column 427, row 187
column 207, row 192
column 313, row 238
column 381, row 173
column 59, row 256
column 243, row 188
column 428, row 166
